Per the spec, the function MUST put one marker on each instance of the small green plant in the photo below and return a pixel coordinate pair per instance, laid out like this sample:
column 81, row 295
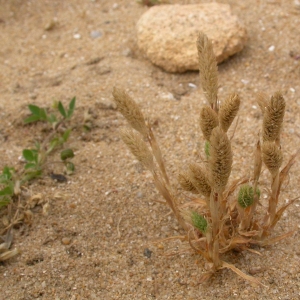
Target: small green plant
column 12, row 181
column 36, row 157
column 8, row 186
column 220, row 218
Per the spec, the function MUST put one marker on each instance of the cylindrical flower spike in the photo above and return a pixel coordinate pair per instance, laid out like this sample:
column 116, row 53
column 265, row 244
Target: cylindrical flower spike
column 228, row 111
column 130, row 110
column 199, row 180
column 208, row 121
column 273, row 117
column 138, row 147
column 186, row 183
column 208, row 69
column 272, row 157
column 220, row 160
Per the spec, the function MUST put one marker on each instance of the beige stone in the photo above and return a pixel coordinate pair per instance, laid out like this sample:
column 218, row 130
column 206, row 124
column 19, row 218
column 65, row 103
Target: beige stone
column 167, row 34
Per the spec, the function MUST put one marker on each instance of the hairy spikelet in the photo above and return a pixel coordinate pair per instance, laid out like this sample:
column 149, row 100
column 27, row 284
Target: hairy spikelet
column 272, row 157
column 186, row 183
column 130, row 110
column 199, row 180
column 138, row 147
column 208, row 121
column 208, row 68
column 228, row 111
column 220, row 160
column 273, row 117
column 262, row 101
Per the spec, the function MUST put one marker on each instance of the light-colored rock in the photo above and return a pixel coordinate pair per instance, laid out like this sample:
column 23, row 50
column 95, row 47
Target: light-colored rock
column 167, row 34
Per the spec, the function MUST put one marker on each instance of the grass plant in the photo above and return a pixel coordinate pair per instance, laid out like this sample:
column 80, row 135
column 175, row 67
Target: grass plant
column 225, row 214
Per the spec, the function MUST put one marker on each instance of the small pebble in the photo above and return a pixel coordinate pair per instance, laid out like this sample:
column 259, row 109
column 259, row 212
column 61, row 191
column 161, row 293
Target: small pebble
column 66, row 241
column 147, row 253
column 167, row 96
column 191, row 85
column 271, row 48
column 95, row 34
column 77, row 36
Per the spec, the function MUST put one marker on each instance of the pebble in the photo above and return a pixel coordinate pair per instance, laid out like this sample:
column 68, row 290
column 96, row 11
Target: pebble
column 95, row 34
column 167, row 96
column 77, row 36
column 191, row 85
column 66, row 241
column 271, row 48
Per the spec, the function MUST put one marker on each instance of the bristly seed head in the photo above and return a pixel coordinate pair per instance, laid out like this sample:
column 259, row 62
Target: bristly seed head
column 273, row 118
column 272, row 157
column 199, row 221
column 208, row 69
column 130, row 110
column 138, row 147
column 228, row 111
column 186, row 183
column 246, row 195
column 220, row 160
column 208, row 121
column 199, row 180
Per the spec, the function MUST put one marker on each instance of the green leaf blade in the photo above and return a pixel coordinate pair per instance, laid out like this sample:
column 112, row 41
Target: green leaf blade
column 7, row 191
column 31, row 119
column 61, row 109
column 30, row 155
column 71, row 107
column 35, row 110
column 67, row 153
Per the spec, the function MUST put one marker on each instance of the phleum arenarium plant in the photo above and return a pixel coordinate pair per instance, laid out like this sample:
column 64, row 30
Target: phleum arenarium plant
column 225, row 215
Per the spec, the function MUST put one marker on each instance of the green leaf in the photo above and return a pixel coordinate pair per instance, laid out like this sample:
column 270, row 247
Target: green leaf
column 7, row 191
column 52, row 119
column 54, row 142
column 7, row 172
column 37, row 146
column 67, row 153
column 35, row 110
column 43, row 115
column 70, row 168
column 30, row 155
column 71, row 107
column 4, row 201
column 62, row 109
column 66, row 135
column 31, row 119
column 30, row 166
column 31, row 174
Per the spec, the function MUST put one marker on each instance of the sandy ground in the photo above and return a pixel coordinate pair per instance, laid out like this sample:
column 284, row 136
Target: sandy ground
column 107, row 211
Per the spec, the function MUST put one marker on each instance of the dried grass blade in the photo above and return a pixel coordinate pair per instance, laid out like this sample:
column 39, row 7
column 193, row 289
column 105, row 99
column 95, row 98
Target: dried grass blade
column 284, row 172
column 281, row 211
column 9, row 254
column 276, row 239
column 203, row 253
column 205, row 277
column 234, row 243
column 240, row 273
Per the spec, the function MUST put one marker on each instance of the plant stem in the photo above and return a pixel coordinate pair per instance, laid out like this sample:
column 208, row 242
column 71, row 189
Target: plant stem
column 215, row 198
